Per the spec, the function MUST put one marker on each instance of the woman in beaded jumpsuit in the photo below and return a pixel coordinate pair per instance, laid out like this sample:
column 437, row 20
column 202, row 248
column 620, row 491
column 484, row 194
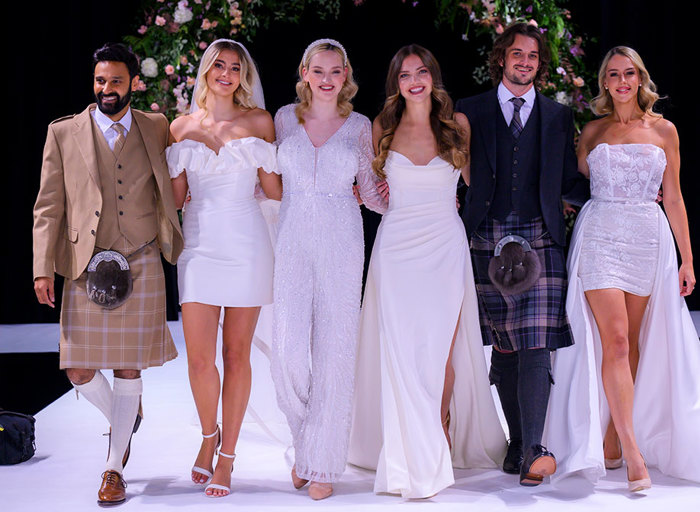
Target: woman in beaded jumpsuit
column 323, row 148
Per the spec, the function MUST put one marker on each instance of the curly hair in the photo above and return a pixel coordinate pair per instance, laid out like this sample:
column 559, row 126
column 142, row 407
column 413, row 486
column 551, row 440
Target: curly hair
column 497, row 56
column 244, row 93
column 346, row 94
column 646, row 94
column 452, row 146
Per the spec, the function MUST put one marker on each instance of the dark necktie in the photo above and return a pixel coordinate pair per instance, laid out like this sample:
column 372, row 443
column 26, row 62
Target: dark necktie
column 516, row 125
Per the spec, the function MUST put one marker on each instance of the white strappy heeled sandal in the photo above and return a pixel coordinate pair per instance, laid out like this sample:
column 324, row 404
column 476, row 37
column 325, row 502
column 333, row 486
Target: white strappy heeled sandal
column 219, row 486
column 206, row 472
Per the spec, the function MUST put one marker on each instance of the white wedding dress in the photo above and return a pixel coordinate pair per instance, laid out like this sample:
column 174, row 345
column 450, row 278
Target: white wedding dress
column 624, row 225
column 420, row 283
column 227, row 259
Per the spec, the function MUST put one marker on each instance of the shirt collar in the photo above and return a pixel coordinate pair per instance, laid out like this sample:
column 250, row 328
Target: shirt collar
column 105, row 123
column 504, row 95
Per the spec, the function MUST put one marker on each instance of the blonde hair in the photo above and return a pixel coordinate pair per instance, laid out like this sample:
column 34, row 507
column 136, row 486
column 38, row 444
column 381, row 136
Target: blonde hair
column 646, row 94
column 243, row 95
column 346, row 94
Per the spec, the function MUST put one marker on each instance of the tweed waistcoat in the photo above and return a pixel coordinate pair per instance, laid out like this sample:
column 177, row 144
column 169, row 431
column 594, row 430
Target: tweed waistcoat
column 128, row 219
column 517, row 170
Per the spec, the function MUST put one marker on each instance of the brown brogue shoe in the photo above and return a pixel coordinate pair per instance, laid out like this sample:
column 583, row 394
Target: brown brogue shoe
column 113, row 489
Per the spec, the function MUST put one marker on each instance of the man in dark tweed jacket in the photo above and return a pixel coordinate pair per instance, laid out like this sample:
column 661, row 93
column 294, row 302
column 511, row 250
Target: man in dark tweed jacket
column 522, row 163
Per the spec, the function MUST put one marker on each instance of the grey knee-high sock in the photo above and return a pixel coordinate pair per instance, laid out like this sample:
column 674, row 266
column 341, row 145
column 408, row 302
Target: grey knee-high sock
column 504, row 375
column 125, row 406
column 99, row 393
column 534, row 383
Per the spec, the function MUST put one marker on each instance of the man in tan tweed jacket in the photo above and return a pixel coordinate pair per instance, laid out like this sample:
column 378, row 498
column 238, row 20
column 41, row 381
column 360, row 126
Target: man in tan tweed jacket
column 105, row 186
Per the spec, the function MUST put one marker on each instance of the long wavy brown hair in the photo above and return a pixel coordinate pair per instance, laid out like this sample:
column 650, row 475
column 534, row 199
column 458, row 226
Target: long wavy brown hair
column 451, row 143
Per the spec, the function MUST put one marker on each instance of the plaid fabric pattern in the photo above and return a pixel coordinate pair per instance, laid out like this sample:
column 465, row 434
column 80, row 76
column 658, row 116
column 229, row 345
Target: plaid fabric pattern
column 133, row 336
column 533, row 319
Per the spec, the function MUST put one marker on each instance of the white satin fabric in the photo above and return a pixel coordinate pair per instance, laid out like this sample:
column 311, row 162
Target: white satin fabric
column 227, row 259
column 420, row 279
column 667, row 388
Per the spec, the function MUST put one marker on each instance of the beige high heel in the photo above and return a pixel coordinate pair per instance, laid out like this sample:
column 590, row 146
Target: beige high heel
column 296, row 481
column 638, row 485
column 613, row 463
column 320, row 490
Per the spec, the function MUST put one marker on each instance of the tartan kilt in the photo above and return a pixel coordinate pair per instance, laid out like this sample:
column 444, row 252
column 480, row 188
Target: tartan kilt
column 535, row 318
column 132, row 336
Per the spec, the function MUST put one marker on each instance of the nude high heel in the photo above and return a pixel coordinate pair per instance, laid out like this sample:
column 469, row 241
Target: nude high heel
column 613, row 463
column 638, row 485
column 320, row 490
column 296, row 481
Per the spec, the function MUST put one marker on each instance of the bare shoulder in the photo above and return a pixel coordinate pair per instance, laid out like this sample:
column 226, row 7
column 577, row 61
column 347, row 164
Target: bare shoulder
column 666, row 130
column 180, row 126
column 592, row 132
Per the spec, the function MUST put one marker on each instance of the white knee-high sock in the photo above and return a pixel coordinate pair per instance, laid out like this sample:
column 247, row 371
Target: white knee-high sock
column 99, row 393
column 125, row 406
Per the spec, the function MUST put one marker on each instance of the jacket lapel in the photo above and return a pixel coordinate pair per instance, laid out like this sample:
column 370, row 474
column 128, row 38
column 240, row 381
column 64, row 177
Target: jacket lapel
column 84, row 139
column 150, row 143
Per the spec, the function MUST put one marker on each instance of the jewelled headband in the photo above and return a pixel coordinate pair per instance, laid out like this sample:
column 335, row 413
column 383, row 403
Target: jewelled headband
column 331, row 42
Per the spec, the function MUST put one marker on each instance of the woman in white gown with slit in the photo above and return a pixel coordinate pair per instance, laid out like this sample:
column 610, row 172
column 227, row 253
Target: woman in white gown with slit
column 630, row 387
column 419, row 331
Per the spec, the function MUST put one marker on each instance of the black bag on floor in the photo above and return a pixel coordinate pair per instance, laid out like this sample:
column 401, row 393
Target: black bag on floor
column 16, row 437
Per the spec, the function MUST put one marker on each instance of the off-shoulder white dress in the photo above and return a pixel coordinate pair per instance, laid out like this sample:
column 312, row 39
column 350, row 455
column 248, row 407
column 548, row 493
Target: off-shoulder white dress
column 227, row 259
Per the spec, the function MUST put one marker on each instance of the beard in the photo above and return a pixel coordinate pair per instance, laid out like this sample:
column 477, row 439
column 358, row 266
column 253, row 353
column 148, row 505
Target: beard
column 515, row 77
column 117, row 106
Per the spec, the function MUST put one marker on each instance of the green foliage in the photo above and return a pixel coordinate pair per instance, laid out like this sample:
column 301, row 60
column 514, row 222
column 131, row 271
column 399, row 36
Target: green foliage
column 172, row 36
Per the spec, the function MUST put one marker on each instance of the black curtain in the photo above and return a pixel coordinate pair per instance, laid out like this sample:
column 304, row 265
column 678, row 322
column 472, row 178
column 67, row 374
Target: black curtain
column 50, row 76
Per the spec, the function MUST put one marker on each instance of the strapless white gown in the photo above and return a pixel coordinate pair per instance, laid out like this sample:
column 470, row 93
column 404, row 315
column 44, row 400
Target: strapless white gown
column 624, row 182
column 420, row 283
column 228, row 258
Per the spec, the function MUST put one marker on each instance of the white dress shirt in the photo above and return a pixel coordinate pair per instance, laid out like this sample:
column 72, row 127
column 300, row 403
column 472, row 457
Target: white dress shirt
column 105, row 125
column 504, row 96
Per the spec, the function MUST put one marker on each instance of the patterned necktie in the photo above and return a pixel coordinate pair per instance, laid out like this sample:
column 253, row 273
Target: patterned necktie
column 516, row 125
column 119, row 143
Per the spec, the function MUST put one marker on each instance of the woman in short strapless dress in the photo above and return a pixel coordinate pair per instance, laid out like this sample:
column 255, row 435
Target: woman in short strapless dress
column 630, row 386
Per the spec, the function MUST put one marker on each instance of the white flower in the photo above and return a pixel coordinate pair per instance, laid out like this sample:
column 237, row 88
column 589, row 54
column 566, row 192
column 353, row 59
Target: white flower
column 561, row 71
column 149, row 67
column 563, row 98
column 182, row 14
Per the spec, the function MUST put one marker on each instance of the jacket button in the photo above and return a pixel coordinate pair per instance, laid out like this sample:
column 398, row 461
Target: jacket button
column 119, row 166
column 488, row 203
column 493, row 175
column 515, row 162
column 97, row 213
column 121, row 197
column 119, row 181
column 515, row 148
column 121, row 213
column 92, row 231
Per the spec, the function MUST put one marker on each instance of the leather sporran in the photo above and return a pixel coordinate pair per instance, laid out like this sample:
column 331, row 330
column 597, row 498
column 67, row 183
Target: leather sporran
column 515, row 267
column 109, row 282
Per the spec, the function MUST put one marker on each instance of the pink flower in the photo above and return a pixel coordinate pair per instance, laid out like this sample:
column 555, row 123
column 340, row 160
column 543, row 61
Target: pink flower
column 498, row 28
column 155, row 107
column 183, row 60
column 141, row 86
column 533, row 23
column 214, row 24
column 142, row 29
column 160, row 21
column 190, row 81
column 578, row 81
column 202, row 45
column 169, row 69
column 206, row 24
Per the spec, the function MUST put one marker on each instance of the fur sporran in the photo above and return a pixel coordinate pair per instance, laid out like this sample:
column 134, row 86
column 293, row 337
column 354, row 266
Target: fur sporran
column 515, row 267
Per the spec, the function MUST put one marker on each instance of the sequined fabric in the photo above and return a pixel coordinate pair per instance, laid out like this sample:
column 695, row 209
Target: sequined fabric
column 620, row 238
column 317, row 284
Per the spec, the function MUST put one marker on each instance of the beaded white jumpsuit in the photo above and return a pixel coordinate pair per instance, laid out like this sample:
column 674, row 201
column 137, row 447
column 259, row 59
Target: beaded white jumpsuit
column 317, row 285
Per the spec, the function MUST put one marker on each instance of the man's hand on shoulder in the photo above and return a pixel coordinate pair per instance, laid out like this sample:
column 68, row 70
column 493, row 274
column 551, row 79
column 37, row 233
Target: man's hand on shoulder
column 43, row 287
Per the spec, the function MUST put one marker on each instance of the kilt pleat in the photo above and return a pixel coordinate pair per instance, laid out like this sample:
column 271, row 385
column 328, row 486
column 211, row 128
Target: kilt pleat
column 535, row 318
column 132, row 336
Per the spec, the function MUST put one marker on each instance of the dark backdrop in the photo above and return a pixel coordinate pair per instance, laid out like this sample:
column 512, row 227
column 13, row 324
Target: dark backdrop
column 51, row 77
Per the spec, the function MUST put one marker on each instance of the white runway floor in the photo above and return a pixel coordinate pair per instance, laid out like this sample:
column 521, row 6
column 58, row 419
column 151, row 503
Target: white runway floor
column 65, row 472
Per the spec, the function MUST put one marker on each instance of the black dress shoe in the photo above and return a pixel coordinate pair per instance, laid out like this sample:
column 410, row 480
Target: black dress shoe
column 514, row 457
column 537, row 464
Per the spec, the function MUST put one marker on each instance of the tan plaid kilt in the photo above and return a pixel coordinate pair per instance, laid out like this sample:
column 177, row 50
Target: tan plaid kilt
column 132, row 336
